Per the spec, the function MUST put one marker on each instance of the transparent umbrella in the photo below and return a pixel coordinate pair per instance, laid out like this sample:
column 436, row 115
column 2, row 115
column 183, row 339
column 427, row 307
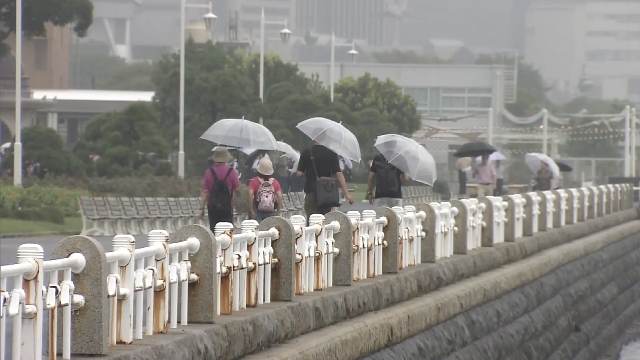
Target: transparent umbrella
column 240, row 133
column 289, row 151
column 534, row 160
column 408, row 156
column 332, row 135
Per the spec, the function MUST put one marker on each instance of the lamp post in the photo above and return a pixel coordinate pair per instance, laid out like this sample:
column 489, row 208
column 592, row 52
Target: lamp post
column 545, row 125
column 285, row 35
column 209, row 22
column 353, row 55
column 17, row 146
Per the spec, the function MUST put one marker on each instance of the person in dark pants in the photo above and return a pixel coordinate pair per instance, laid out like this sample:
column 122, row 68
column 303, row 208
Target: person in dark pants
column 328, row 165
column 462, row 182
column 219, row 203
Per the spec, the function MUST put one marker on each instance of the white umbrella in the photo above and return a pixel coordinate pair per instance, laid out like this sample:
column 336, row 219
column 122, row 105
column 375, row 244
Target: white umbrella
column 332, row 135
column 408, row 156
column 533, row 161
column 289, row 151
column 240, row 133
column 496, row 156
column 247, row 151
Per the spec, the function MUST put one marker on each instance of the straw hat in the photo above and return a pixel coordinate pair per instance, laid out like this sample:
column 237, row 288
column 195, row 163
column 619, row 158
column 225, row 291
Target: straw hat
column 265, row 167
column 220, row 154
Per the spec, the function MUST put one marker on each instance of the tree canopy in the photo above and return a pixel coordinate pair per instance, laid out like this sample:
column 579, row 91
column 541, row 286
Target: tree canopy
column 36, row 13
column 221, row 83
column 44, row 146
column 125, row 143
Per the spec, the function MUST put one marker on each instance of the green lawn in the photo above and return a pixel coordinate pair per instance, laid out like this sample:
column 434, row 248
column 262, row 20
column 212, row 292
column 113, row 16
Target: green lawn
column 13, row 226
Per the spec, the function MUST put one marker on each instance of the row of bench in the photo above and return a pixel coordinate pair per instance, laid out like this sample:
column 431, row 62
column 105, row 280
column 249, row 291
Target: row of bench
column 109, row 216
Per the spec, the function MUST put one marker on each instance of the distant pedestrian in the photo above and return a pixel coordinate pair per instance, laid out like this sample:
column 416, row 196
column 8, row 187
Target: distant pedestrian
column 485, row 175
column 544, row 177
column 265, row 193
column 317, row 163
column 500, row 178
column 218, row 187
column 387, row 180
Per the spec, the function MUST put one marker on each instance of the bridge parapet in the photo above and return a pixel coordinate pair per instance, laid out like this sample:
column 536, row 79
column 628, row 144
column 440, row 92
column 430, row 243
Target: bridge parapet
column 196, row 276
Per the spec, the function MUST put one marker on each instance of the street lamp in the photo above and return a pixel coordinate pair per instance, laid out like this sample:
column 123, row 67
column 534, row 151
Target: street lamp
column 209, row 23
column 353, row 55
column 17, row 146
column 285, row 35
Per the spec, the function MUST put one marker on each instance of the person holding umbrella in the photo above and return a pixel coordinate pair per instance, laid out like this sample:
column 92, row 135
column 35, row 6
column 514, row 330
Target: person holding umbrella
column 387, row 180
column 218, row 187
column 485, row 175
column 544, row 177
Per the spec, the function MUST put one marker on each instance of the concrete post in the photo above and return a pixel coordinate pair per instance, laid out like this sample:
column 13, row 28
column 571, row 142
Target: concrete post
column 90, row 330
column 429, row 224
column 284, row 255
column 460, row 239
column 390, row 261
column 343, row 263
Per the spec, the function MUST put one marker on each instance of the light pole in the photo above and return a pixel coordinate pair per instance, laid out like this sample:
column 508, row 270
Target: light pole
column 353, row 55
column 17, row 146
column 285, row 35
column 545, row 125
column 209, row 22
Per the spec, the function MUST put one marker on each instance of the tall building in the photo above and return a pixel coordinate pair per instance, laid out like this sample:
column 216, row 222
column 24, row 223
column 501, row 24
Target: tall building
column 349, row 19
column 249, row 13
column 45, row 60
column 600, row 39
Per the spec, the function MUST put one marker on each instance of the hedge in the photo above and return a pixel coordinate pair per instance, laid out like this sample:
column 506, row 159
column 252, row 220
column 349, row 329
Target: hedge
column 53, row 198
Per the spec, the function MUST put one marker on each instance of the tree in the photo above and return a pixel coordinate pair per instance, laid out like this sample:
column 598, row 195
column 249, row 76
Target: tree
column 405, row 57
column 531, row 90
column 124, row 142
column 217, row 86
column 44, row 146
column 36, row 13
column 275, row 72
column 368, row 92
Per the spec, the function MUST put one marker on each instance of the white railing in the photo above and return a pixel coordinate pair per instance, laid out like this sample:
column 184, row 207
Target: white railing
column 24, row 302
column 149, row 289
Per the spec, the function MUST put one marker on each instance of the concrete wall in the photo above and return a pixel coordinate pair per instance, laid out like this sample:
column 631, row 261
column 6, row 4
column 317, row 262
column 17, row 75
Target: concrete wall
column 573, row 312
column 452, row 298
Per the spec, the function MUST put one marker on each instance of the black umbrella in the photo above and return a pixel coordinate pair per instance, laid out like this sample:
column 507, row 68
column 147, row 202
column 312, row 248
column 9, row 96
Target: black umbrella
column 474, row 149
column 564, row 167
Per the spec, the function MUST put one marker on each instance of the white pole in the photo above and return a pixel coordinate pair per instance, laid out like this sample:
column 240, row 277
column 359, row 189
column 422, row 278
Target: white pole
column 627, row 116
column 182, row 50
column 633, row 142
column 490, row 127
column 333, row 60
column 17, row 146
column 262, row 20
column 545, row 123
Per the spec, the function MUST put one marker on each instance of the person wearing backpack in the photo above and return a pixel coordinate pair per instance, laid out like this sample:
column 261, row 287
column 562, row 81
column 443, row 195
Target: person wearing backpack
column 387, row 180
column 220, row 183
column 265, row 193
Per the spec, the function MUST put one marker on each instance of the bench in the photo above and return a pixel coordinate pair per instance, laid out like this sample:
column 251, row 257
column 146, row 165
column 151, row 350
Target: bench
column 122, row 215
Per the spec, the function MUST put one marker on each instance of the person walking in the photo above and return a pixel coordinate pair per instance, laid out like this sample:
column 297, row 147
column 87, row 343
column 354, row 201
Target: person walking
column 499, row 178
column 544, row 177
column 265, row 193
column 319, row 162
column 485, row 175
column 387, row 180
column 218, row 187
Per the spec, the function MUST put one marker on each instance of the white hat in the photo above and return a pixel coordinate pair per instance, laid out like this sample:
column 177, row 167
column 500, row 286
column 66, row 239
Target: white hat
column 220, row 154
column 265, row 167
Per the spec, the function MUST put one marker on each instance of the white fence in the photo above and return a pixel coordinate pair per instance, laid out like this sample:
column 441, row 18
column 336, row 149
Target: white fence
column 130, row 292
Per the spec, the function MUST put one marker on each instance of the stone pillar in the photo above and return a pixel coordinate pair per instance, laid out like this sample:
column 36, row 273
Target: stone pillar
column 343, row 263
column 283, row 275
column 90, row 326
column 390, row 261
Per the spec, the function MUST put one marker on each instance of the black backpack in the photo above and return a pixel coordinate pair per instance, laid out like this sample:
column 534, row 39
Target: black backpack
column 387, row 182
column 219, row 195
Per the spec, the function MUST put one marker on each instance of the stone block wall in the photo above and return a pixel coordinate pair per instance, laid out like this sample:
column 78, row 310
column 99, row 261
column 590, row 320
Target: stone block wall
column 574, row 312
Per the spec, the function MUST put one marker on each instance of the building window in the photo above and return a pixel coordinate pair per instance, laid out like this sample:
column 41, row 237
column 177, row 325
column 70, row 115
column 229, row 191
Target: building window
column 41, row 50
column 420, row 95
column 457, row 91
column 613, row 55
column 453, row 102
column 434, row 98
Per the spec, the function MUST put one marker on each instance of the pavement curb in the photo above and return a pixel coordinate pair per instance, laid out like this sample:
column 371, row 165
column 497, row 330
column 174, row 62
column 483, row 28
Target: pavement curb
column 38, row 234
